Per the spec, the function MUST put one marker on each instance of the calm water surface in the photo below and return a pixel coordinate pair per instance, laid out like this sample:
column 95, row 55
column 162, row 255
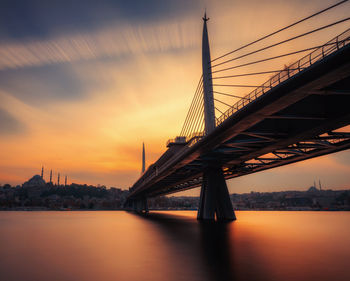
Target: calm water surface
column 112, row 245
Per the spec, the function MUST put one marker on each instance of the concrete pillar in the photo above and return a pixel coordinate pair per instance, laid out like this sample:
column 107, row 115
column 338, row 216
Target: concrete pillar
column 145, row 205
column 215, row 200
column 139, row 205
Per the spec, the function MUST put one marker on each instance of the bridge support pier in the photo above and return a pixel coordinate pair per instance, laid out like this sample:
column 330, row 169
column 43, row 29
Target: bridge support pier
column 140, row 205
column 214, row 199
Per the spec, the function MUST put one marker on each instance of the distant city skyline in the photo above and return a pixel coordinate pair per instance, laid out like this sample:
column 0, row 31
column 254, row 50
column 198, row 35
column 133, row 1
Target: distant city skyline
column 317, row 183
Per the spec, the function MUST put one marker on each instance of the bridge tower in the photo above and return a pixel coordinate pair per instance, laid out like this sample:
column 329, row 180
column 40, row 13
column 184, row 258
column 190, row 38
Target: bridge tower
column 214, row 199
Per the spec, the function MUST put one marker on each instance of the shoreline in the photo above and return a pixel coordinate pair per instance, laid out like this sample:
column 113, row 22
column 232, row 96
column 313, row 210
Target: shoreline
column 162, row 210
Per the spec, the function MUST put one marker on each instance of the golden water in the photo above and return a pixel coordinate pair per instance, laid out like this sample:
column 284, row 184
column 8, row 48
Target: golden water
column 116, row 245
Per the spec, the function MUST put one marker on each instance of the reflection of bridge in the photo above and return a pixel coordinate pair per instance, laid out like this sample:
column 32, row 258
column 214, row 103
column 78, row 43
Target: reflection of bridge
column 291, row 117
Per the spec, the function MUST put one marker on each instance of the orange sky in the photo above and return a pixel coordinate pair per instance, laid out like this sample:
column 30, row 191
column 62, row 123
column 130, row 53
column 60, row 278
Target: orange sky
column 84, row 101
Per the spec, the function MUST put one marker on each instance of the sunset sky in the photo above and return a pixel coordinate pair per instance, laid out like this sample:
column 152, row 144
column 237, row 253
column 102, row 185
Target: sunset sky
column 84, row 83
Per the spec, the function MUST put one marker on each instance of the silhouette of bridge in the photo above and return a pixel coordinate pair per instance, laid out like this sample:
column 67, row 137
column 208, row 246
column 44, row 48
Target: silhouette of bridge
column 295, row 115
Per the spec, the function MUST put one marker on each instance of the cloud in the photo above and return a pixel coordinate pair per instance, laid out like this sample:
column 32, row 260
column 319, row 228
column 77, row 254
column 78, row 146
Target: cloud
column 39, row 19
column 117, row 41
column 9, row 125
column 38, row 86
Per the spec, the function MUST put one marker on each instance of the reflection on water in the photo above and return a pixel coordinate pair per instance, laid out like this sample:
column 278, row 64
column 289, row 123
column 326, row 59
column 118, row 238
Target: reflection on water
column 174, row 246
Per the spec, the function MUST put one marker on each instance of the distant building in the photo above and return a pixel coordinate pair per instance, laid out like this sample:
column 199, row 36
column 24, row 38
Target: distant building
column 312, row 189
column 34, row 186
column 35, row 181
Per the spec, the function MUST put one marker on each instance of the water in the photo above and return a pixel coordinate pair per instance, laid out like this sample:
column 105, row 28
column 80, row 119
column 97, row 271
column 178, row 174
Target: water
column 112, row 245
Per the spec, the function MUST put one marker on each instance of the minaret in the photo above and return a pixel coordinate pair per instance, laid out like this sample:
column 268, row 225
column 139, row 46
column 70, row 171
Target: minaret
column 51, row 176
column 209, row 109
column 143, row 158
column 65, row 181
column 42, row 172
column 319, row 183
column 58, row 179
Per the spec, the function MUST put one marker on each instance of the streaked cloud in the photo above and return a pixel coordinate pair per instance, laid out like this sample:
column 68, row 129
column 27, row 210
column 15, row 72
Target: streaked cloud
column 46, row 84
column 117, row 41
column 9, row 125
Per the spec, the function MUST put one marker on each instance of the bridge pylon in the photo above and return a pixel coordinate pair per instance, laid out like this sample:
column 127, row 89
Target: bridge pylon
column 215, row 200
column 139, row 205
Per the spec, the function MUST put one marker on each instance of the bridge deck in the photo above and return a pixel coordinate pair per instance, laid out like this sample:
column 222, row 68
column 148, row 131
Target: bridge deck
column 293, row 121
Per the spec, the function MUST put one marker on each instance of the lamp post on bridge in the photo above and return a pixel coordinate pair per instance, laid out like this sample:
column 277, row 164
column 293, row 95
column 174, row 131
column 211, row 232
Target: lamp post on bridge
column 214, row 199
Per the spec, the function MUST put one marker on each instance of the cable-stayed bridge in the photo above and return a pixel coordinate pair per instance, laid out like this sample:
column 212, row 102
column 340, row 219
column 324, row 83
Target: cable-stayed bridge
column 294, row 115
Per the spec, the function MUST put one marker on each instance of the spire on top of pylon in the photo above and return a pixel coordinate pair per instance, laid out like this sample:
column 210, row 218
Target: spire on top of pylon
column 205, row 16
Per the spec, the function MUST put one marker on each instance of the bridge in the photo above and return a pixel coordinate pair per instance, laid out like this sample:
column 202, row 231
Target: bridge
column 294, row 115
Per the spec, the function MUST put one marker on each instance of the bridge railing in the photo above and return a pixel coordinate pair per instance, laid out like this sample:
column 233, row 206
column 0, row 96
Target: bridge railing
column 188, row 140
column 318, row 54
column 177, row 140
column 194, row 138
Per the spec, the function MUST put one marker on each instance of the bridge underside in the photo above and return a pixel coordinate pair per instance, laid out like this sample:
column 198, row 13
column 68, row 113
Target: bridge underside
column 294, row 121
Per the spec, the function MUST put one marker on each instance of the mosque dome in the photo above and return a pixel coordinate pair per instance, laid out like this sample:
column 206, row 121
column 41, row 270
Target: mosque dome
column 312, row 189
column 35, row 181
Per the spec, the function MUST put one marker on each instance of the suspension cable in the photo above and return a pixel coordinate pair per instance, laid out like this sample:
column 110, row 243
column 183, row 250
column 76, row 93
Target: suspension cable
column 230, row 95
column 222, row 102
column 196, row 112
column 202, row 126
column 275, row 57
column 240, row 86
column 284, row 41
column 200, row 120
column 189, row 113
column 249, row 74
column 280, row 30
column 202, row 123
column 219, row 110
column 195, row 105
column 198, row 116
